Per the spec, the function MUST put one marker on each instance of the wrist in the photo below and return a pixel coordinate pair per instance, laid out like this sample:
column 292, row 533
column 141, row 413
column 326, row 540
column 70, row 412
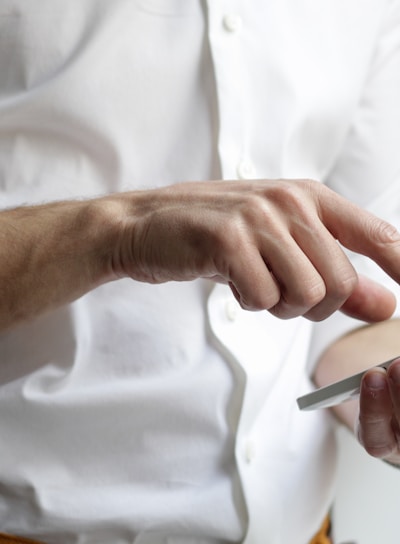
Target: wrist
column 114, row 218
column 54, row 253
column 103, row 221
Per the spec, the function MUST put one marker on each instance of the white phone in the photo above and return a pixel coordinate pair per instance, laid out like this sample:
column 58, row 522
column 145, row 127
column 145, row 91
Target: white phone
column 337, row 392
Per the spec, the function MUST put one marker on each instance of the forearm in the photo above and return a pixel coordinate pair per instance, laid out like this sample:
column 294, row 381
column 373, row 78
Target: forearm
column 355, row 352
column 52, row 254
column 253, row 236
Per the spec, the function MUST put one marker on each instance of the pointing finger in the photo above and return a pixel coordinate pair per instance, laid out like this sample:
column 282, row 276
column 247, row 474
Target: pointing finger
column 361, row 231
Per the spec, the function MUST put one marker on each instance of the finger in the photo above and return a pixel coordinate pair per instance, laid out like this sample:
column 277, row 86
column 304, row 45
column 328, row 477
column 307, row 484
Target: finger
column 252, row 284
column 369, row 301
column 375, row 420
column 301, row 286
column 269, row 271
column 393, row 374
column 361, row 231
column 332, row 264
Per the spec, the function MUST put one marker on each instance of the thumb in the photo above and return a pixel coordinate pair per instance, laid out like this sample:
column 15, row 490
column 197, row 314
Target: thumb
column 370, row 301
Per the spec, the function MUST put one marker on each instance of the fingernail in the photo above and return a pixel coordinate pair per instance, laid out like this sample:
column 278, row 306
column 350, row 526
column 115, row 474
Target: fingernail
column 375, row 380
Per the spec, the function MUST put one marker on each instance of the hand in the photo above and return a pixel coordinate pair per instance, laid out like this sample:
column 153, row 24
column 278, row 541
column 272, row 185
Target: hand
column 274, row 243
column 378, row 427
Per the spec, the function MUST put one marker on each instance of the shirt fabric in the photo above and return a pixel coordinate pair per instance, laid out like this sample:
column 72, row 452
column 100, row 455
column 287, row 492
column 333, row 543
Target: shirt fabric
column 152, row 414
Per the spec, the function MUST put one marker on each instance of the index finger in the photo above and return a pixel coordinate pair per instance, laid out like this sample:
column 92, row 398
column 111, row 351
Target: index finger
column 361, row 231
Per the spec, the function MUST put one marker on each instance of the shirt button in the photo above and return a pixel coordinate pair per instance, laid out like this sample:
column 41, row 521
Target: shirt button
column 245, row 170
column 249, row 452
column 231, row 310
column 232, row 23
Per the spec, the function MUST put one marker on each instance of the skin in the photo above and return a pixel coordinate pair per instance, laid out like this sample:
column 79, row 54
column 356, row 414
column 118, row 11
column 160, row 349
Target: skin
column 375, row 419
column 274, row 242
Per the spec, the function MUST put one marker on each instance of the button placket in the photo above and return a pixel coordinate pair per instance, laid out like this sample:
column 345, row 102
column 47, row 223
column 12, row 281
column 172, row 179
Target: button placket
column 226, row 26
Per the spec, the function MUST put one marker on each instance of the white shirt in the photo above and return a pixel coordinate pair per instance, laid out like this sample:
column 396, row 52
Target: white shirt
column 166, row 414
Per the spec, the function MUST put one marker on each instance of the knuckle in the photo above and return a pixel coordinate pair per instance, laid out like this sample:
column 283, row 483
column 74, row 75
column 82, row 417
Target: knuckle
column 260, row 300
column 271, row 299
column 287, row 194
column 343, row 286
column 299, row 200
column 313, row 189
column 311, row 295
column 255, row 210
column 253, row 200
column 299, row 303
column 311, row 185
column 250, row 305
column 282, row 310
column 318, row 314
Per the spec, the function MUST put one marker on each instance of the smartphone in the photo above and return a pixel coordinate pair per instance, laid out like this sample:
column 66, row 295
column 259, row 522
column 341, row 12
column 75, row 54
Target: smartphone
column 337, row 392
